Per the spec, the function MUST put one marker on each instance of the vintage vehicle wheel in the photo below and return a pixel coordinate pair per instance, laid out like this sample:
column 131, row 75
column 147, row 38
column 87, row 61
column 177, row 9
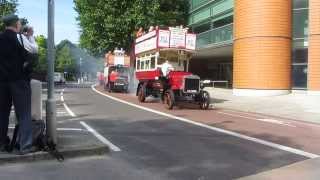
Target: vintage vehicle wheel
column 169, row 100
column 142, row 94
column 205, row 100
column 109, row 87
column 105, row 86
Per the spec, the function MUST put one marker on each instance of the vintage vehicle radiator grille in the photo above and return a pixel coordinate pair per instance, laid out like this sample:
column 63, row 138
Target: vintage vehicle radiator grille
column 191, row 85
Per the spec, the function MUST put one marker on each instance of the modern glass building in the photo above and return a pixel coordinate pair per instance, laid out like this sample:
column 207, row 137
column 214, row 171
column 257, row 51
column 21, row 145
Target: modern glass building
column 261, row 47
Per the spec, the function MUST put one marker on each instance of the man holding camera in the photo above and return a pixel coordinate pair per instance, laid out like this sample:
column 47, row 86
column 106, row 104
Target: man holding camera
column 14, row 86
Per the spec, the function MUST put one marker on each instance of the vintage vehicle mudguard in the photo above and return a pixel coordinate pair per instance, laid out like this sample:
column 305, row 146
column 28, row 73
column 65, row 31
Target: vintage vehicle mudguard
column 113, row 76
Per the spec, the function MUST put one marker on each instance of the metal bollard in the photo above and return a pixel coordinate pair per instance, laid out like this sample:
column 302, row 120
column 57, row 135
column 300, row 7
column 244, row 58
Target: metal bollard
column 36, row 100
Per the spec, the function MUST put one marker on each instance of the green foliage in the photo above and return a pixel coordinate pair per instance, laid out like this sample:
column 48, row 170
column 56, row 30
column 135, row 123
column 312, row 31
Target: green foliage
column 7, row 7
column 64, row 60
column 109, row 24
column 42, row 53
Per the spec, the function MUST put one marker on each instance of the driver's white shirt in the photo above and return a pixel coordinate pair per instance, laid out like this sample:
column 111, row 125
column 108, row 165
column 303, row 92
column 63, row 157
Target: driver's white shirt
column 165, row 68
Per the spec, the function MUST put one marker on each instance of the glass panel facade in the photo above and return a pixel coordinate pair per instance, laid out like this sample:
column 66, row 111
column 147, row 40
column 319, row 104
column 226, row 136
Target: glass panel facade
column 219, row 35
column 196, row 3
column 213, row 9
column 201, row 15
column 300, row 23
column 299, row 76
column 300, row 30
column 297, row 4
column 223, row 22
column 202, row 28
column 299, row 55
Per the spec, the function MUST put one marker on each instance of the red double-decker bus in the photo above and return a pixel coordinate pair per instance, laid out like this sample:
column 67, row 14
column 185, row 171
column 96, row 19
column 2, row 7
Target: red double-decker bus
column 162, row 63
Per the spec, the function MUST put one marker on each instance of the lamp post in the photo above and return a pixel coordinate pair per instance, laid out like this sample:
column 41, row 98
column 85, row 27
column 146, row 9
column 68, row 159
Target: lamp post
column 51, row 129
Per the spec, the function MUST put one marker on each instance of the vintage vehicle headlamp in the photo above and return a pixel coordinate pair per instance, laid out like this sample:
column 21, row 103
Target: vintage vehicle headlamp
column 156, row 78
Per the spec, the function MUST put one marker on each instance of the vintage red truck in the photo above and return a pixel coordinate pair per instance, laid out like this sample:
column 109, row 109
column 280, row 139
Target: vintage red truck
column 116, row 71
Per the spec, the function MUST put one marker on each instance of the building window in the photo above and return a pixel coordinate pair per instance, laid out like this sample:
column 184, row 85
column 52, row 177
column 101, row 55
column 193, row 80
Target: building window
column 223, row 22
column 202, row 28
column 297, row 4
column 299, row 76
column 300, row 29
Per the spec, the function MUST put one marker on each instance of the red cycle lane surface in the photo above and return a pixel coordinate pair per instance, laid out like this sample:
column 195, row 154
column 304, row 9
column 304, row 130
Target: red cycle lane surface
column 287, row 132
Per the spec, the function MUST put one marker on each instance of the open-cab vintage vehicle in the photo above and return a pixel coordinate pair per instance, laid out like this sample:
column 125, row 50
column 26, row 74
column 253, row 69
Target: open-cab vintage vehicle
column 116, row 71
column 162, row 63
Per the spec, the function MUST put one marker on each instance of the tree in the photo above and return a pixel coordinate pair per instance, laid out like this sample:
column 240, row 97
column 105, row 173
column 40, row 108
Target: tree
column 64, row 60
column 7, row 7
column 109, row 24
column 41, row 66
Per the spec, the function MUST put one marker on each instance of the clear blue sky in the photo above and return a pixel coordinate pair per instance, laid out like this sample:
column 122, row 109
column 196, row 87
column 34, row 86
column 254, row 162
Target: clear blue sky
column 65, row 18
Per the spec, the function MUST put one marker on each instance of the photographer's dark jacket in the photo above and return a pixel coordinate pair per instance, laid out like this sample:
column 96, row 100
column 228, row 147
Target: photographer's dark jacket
column 11, row 57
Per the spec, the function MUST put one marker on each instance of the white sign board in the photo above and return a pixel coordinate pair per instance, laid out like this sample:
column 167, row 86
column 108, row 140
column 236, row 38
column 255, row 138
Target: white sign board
column 146, row 45
column 177, row 38
column 146, row 36
column 118, row 60
column 191, row 41
column 164, row 38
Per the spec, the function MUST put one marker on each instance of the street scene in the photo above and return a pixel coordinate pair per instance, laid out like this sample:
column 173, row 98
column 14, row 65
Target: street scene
column 157, row 90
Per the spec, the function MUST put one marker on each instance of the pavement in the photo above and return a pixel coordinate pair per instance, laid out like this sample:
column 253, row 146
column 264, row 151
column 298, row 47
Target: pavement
column 297, row 106
column 308, row 169
column 74, row 140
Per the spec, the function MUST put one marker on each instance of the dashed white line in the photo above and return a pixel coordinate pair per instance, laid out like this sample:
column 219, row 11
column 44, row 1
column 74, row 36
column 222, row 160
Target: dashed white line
column 100, row 137
column 72, row 114
column 69, row 110
column 88, row 128
column 256, row 140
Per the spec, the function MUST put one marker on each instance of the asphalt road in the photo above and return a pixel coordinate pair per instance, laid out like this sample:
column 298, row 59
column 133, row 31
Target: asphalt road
column 152, row 147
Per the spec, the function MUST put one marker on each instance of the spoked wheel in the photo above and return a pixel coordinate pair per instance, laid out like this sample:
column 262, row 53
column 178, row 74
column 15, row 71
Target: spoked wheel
column 109, row 87
column 142, row 94
column 169, row 100
column 105, row 86
column 205, row 100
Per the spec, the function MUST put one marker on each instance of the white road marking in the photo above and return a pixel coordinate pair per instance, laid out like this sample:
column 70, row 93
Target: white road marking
column 61, row 97
column 62, row 129
column 69, row 110
column 72, row 114
column 256, row 140
column 313, row 111
column 100, row 137
column 88, row 128
column 263, row 120
column 276, row 122
column 69, row 120
column 70, row 129
column 266, row 117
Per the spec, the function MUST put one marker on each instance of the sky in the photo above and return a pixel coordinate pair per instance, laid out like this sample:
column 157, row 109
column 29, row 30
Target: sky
column 65, row 18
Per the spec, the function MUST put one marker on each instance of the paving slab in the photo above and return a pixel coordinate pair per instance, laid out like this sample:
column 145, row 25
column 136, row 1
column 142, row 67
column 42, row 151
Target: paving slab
column 71, row 144
column 309, row 170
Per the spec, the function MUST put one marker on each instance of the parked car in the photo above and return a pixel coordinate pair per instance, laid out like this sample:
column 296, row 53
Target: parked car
column 59, row 78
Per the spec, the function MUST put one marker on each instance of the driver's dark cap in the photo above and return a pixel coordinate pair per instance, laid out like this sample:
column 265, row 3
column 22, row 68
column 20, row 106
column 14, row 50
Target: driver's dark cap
column 10, row 19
